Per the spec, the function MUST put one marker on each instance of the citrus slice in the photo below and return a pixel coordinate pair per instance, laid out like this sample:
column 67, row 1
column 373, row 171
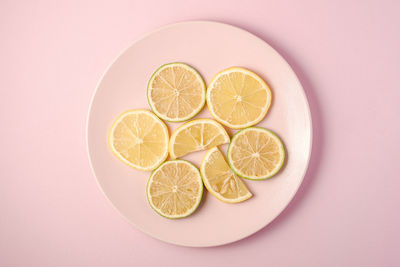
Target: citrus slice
column 238, row 98
column 220, row 180
column 140, row 139
column 176, row 92
column 255, row 153
column 196, row 135
column 175, row 189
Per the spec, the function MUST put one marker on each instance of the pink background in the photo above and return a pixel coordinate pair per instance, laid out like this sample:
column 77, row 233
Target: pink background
column 346, row 54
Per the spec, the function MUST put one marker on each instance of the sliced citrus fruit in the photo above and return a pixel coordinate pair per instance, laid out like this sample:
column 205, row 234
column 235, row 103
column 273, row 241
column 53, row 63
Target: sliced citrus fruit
column 176, row 92
column 238, row 98
column 175, row 189
column 220, row 180
column 140, row 139
column 196, row 135
column 256, row 153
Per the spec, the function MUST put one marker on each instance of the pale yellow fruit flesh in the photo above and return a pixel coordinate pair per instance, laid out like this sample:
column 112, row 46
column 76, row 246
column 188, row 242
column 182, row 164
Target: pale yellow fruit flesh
column 256, row 153
column 197, row 136
column 238, row 98
column 175, row 189
column 176, row 92
column 220, row 180
column 140, row 139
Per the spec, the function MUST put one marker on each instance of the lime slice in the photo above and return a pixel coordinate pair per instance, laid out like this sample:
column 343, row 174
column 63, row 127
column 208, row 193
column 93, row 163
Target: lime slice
column 256, row 153
column 175, row 189
column 176, row 92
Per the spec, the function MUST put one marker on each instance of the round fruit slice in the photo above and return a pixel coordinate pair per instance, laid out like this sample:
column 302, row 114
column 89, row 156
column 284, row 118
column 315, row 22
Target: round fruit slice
column 176, row 92
column 196, row 135
column 140, row 139
column 256, row 153
column 220, row 180
column 175, row 189
column 238, row 98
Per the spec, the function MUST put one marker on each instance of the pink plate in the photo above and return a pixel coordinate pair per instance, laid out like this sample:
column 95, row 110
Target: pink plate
column 209, row 47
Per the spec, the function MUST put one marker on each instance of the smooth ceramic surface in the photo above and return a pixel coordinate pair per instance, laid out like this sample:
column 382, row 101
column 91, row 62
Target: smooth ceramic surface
column 209, row 47
column 347, row 58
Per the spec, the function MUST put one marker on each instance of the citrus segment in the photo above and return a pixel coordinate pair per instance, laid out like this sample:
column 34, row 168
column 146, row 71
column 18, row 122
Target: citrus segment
column 220, row 180
column 196, row 135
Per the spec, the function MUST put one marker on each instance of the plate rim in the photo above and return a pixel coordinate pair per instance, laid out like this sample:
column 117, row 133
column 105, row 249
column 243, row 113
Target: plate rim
column 297, row 81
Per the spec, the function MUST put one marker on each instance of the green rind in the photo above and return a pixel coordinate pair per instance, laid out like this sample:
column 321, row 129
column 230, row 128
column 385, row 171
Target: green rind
column 261, row 178
column 148, row 92
column 197, row 204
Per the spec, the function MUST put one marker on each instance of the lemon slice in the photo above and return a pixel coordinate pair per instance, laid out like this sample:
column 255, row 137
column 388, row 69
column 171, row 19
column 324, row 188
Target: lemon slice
column 196, row 135
column 176, row 92
column 140, row 139
column 256, row 153
column 175, row 189
column 238, row 98
column 220, row 180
